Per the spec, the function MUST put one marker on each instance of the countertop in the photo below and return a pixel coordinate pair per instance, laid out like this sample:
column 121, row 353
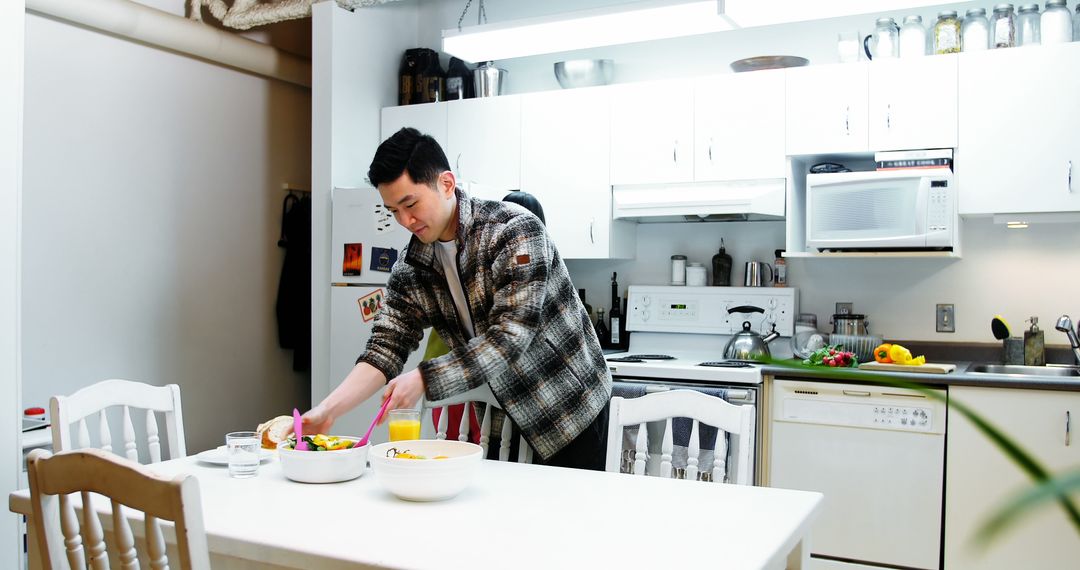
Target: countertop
column 959, row 377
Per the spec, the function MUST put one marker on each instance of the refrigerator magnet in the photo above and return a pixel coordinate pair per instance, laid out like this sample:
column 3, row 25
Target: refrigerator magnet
column 371, row 304
column 353, row 262
column 383, row 258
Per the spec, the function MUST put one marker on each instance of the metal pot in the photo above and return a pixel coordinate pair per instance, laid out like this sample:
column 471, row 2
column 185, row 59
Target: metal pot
column 749, row 345
column 849, row 324
column 489, row 80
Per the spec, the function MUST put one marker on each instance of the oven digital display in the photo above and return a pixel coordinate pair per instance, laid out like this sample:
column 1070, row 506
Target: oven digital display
column 678, row 306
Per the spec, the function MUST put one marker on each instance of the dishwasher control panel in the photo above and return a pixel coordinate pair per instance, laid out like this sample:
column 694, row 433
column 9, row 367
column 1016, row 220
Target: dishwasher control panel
column 857, row 406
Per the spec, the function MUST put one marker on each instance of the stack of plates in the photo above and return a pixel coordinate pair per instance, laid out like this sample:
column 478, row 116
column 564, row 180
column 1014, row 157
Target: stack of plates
column 862, row 345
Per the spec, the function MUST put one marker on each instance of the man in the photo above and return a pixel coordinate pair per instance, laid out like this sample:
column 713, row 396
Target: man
column 488, row 278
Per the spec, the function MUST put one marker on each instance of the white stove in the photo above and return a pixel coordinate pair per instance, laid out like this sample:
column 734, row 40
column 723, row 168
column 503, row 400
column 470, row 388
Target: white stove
column 679, row 333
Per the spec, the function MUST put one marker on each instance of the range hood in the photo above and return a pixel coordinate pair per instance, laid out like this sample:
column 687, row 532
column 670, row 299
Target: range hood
column 740, row 200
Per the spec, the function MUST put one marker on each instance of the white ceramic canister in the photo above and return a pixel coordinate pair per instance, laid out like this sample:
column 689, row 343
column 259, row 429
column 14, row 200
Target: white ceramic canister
column 695, row 275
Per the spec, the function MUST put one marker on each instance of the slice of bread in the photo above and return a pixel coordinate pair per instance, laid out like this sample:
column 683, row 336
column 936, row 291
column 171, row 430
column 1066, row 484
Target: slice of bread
column 274, row 431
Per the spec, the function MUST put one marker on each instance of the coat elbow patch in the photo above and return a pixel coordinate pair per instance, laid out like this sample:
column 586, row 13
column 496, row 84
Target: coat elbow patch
column 523, row 259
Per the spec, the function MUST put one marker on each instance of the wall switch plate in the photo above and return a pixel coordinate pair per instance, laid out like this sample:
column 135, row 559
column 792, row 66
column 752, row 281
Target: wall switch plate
column 946, row 318
column 845, row 308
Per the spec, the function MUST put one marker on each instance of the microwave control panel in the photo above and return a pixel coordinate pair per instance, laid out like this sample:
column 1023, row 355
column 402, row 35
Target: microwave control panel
column 940, row 211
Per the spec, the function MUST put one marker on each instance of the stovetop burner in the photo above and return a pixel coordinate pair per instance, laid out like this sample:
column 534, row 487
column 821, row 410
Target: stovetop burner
column 640, row 358
column 726, row 364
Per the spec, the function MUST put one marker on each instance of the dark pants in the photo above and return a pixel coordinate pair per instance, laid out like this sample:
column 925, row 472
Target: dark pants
column 588, row 450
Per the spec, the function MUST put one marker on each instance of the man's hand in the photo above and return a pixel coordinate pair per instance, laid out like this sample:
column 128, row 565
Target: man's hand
column 317, row 420
column 404, row 391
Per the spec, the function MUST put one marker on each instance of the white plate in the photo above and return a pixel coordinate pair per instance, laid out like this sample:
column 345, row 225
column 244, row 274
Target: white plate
column 220, row 456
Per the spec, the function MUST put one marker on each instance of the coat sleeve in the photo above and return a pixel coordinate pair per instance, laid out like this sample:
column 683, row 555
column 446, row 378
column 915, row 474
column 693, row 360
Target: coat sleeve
column 397, row 329
column 520, row 273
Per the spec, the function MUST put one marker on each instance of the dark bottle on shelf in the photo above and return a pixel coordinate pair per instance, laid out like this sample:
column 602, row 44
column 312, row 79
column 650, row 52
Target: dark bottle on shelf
column 588, row 307
column 434, row 86
column 624, row 335
column 615, row 316
column 602, row 330
column 721, row 268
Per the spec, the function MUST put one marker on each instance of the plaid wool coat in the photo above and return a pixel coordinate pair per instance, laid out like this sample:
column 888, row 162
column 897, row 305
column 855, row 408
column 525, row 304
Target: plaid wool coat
column 534, row 344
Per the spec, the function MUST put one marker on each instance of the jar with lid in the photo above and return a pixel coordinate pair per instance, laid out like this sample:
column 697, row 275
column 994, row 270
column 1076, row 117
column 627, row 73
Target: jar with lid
column 975, row 31
column 947, row 33
column 695, row 274
column 1027, row 25
column 1003, row 27
column 912, row 37
column 884, row 42
column 1057, row 23
column 678, row 270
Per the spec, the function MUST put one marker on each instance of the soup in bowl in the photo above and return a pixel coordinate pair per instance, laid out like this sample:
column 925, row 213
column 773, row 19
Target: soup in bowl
column 425, row 469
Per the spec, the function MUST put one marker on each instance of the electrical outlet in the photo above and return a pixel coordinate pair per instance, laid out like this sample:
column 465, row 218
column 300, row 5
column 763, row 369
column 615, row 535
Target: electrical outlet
column 845, row 308
column 946, row 318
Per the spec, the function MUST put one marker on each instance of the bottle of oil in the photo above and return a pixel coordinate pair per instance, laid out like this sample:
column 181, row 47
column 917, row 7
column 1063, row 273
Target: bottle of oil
column 588, row 307
column 601, row 330
column 616, row 314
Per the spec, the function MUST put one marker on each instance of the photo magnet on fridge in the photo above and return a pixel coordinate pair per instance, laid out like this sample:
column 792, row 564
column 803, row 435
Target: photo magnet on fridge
column 352, row 264
column 383, row 258
column 370, row 304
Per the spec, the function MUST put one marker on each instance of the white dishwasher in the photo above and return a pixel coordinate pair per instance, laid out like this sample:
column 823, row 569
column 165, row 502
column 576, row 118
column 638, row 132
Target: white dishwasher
column 878, row 455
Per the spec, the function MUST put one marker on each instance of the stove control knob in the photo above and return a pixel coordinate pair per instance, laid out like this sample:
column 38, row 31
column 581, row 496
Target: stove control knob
column 646, row 300
column 644, row 316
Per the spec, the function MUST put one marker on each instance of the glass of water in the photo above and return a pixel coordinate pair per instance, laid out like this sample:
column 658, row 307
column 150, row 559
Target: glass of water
column 243, row 450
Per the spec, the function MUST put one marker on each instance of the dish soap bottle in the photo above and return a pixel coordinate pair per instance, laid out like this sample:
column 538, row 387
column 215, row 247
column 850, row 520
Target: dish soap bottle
column 1034, row 347
column 721, row 268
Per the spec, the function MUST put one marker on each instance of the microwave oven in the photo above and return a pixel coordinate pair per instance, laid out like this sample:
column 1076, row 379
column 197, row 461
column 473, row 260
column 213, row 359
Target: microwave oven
column 882, row 210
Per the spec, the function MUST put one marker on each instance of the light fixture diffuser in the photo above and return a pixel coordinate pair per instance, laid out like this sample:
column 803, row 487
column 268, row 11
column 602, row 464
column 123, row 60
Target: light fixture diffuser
column 643, row 21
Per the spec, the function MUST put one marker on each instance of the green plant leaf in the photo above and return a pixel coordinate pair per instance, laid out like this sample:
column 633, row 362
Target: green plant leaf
column 1025, row 502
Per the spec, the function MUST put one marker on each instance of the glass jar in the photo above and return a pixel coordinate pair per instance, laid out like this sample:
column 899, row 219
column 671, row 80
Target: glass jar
column 885, row 41
column 1027, row 25
column 975, row 31
column 912, row 37
column 1057, row 23
column 947, row 33
column 1003, row 27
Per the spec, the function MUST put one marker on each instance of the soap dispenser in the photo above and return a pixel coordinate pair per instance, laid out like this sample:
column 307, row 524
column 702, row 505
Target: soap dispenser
column 1034, row 347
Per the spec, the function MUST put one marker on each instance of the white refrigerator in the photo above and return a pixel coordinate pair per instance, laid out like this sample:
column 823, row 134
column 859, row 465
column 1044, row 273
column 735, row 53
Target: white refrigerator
column 366, row 241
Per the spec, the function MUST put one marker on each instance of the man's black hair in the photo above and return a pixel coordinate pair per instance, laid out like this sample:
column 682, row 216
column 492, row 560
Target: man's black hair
column 411, row 151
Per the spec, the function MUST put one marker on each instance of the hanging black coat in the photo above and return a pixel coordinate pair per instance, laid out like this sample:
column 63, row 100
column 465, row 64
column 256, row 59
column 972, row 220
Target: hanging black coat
column 294, row 289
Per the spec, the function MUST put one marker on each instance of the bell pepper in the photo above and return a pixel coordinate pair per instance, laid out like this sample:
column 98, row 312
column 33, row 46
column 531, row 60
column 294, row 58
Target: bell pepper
column 881, row 353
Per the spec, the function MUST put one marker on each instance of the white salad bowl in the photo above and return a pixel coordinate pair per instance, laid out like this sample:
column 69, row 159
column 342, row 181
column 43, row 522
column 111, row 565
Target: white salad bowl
column 426, row 479
column 323, row 466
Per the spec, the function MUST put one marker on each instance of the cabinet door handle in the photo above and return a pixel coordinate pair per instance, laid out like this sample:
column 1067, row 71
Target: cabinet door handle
column 591, row 224
column 1068, row 431
column 859, row 393
column 888, row 116
column 457, row 166
column 847, row 120
column 710, row 149
column 1068, row 176
column 675, row 152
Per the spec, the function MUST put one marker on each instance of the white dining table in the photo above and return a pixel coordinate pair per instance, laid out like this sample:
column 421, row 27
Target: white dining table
column 511, row 516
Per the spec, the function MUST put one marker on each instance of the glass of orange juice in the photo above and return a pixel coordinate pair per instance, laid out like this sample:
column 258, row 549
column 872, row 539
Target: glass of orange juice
column 404, row 424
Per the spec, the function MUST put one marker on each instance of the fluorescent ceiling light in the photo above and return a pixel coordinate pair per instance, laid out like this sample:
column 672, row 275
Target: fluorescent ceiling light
column 643, row 21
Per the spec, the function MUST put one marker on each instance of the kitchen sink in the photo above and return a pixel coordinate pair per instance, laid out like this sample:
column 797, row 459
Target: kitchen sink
column 1055, row 370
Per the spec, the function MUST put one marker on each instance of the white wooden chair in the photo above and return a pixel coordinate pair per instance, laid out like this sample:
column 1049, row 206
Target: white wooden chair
column 482, row 394
column 124, row 482
column 96, row 399
column 700, row 408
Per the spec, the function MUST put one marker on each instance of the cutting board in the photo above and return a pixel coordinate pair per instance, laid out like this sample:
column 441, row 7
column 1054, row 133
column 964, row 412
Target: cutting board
column 928, row 368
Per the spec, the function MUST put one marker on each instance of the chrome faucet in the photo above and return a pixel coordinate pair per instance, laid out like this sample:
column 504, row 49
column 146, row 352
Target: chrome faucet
column 1064, row 324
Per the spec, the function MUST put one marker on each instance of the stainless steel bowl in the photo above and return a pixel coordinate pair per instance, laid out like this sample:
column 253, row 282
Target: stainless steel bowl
column 584, row 72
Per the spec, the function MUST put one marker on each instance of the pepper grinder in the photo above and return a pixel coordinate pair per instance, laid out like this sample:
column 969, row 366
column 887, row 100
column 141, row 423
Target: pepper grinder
column 721, row 268
column 1034, row 347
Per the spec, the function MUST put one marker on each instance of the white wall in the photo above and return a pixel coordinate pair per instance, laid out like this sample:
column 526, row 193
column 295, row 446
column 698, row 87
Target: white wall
column 11, row 91
column 1016, row 274
column 152, row 208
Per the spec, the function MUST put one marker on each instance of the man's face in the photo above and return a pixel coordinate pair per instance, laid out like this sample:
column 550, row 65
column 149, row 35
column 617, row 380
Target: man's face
column 429, row 213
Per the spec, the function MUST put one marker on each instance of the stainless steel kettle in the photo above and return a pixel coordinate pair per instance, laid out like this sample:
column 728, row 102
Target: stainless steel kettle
column 747, row 344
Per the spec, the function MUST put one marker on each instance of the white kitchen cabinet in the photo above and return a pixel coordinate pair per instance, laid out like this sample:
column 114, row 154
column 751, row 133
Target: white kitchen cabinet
column 566, row 149
column 652, row 133
column 1019, row 131
column 980, row 478
column 739, row 126
column 428, row 118
column 913, row 103
column 827, row 109
column 484, row 140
